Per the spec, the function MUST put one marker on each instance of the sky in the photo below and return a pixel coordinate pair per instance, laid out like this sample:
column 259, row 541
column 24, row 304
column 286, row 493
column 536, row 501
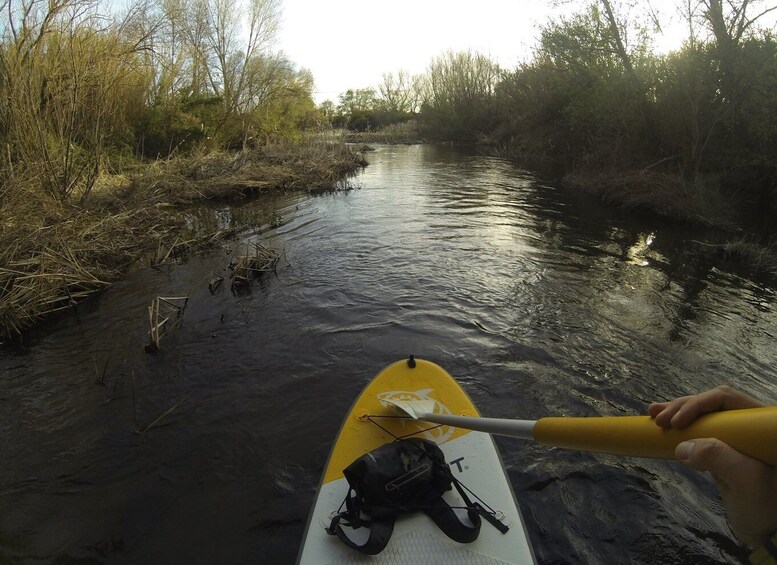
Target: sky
column 351, row 43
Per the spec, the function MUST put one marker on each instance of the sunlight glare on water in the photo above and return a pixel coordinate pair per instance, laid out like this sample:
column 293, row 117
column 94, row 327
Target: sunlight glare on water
column 539, row 302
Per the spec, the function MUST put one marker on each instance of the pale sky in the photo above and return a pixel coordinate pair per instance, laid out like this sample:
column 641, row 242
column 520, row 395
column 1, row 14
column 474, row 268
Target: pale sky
column 351, row 43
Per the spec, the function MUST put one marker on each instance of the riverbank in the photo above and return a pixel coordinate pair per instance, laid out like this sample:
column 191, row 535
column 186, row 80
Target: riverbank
column 404, row 133
column 732, row 233
column 660, row 193
column 55, row 254
column 704, row 203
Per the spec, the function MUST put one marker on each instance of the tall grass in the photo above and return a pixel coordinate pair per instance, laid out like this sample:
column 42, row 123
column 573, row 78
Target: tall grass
column 762, row 258
column 53, row 253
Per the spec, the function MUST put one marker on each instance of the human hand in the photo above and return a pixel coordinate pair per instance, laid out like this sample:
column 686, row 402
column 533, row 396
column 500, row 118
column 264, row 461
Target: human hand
column 748, row 487
column 680, row 412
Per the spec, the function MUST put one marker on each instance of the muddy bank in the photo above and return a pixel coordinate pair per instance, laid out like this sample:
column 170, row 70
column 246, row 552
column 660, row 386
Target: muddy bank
column 56, row 253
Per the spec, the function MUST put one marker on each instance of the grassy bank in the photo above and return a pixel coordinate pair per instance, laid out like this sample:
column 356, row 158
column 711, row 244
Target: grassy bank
column 662, row 193
column 760, row 257
column 703, row 203
column 404, row 133
column 733, row 235
column 56, row 253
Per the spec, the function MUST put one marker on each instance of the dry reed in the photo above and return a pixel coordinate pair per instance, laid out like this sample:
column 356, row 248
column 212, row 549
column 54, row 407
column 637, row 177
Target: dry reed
column 51, row 261
column 55, row 254
column 249, row 265
column 160, row 313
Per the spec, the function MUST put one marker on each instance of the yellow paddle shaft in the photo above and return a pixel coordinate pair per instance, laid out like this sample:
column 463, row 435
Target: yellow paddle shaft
column 752, row 431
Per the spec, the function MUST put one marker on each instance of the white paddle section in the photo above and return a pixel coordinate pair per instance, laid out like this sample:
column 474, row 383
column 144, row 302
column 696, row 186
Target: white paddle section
column 425, row 410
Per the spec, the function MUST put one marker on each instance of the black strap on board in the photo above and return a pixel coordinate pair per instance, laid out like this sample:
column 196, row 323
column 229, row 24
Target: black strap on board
column 402, row 477
column 448, row 521
column 381, row 522
column 380, row 533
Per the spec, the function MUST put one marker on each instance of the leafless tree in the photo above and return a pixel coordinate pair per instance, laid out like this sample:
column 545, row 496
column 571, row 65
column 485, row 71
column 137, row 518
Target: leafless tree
column 235, row 58
column 396, row 92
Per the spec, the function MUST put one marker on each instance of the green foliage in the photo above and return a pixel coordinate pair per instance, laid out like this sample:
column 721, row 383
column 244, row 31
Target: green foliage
column 581, row 100
column 175, row 125
column 362, row 99
column 688, row 108
column 592, row 102
column 80, row 89
column 355, row 110
column 580, row 45
column 361, row 110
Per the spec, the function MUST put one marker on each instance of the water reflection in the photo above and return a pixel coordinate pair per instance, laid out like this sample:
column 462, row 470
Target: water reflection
column 538, row 301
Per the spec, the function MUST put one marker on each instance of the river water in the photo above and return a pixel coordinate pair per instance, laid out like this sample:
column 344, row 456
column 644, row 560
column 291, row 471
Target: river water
column 538, row 302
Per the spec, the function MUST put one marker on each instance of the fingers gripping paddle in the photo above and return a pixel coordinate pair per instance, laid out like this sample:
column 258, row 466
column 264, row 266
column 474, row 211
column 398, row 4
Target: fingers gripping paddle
column 752, row 431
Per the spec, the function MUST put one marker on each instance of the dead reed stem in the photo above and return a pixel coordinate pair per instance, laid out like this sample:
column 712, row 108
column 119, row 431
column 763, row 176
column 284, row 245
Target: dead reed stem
column 54, row 253
column 162, row 416
column 262, row 260
column 160, row 312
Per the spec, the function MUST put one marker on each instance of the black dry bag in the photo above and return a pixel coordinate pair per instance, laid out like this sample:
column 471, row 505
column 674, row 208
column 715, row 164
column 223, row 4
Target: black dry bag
column 405, row 476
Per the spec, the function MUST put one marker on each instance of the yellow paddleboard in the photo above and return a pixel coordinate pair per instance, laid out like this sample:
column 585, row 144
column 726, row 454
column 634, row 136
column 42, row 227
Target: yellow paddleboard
column 472, row 457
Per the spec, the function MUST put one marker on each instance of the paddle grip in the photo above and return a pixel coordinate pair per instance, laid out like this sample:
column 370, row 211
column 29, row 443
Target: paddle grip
column 752, row 431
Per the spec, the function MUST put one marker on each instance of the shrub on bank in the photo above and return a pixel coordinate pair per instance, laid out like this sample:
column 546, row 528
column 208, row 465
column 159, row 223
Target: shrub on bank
column 662, row 193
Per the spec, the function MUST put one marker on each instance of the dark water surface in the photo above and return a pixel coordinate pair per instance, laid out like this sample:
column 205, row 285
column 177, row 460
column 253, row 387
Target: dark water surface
column 539, row 304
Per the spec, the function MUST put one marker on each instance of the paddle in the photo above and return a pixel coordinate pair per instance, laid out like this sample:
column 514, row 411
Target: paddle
column 752, row 431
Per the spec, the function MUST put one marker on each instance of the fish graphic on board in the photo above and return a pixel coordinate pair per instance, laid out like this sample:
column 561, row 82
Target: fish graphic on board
column 436, row 433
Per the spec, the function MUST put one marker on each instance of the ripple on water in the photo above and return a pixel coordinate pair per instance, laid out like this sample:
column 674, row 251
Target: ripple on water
column 540, row 302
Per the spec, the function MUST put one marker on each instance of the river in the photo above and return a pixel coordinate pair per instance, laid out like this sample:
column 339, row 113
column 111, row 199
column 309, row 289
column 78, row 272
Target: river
column 539, row 302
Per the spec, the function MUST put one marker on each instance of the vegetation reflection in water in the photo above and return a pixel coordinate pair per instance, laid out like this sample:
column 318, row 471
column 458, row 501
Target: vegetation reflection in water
column 545, row 314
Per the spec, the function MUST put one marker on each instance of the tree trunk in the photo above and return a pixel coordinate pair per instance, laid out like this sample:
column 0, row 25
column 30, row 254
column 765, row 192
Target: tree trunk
column 625, row 58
